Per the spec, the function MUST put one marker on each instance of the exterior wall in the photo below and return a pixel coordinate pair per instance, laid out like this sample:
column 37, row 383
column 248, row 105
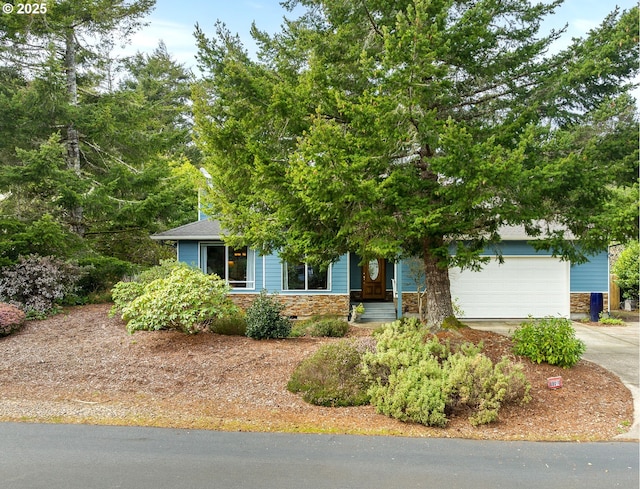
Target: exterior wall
column 273, row 270
column 303, row 306
column 592, row 276
column 410, row 302
column 345, row 281
column 189, row 252
column 268, row 272
column 581, row 302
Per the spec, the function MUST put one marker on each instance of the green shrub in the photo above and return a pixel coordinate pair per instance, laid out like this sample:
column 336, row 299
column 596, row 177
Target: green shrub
column 609, row 321
column 264, row 320
column 164, row 270
column 332, row 376
column 38, row 284
column 474, row 381
column 417, row 378
column 102, row 273
column 332, row 327
column 335, row 328
column 415, row 393
column 11, row 319
column 126, row 291
column 627, row 270
column 186, row 300
column 232, row 325
column 550, row 340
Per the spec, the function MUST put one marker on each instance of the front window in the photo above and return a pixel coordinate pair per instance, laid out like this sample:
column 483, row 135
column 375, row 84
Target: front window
column 302, row 276
column 235, row 265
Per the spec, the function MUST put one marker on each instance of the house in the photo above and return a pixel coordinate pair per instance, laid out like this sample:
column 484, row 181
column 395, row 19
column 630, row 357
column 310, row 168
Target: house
column 527, row 283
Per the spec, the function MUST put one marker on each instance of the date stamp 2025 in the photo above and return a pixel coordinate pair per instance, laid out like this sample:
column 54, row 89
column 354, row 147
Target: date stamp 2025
column 25, row 8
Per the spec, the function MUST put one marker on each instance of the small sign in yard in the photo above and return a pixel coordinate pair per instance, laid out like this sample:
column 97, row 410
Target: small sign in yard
column 554, row 382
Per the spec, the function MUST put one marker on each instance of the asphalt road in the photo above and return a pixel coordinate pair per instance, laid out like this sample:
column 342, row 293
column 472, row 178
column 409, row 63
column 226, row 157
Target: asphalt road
column 34, row 456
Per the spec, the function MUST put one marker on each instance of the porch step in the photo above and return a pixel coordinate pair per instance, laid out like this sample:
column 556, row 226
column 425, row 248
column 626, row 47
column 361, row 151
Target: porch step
column 378, row 312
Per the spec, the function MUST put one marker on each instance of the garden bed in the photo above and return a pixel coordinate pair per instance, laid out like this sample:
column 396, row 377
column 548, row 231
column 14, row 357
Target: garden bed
column 83, row 367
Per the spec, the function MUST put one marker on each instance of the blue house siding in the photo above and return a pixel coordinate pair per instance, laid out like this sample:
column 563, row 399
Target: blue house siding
column 189, row 252
column 592, row 276
column 355, row 280
column 273, row 273
column 274, row 270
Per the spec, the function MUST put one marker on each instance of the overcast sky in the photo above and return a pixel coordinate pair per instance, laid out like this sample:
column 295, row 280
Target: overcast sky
column 173, row 21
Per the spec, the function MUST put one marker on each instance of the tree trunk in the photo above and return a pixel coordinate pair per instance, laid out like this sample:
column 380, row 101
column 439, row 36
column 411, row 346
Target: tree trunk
column 439, row 305
column 73, row 139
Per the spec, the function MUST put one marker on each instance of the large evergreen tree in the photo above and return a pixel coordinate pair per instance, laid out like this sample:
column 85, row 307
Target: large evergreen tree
column 97, row 147
column 411, row 127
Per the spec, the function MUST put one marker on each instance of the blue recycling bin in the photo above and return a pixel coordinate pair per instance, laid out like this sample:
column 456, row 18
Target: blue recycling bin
column 596, row 306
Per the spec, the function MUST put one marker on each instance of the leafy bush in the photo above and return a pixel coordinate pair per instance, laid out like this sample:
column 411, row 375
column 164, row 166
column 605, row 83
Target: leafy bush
column 550, row 340
column 124, row 292
column 11, row 319
column 186, row 300
column 609, row 321
column 332, row 327
column 474, row 381
column 231, row 325
column 417, row 378
column 37, row 284
column 332, row 376
column 264, row 320
column 164, row 270
column 102, row 273
column 627, row 269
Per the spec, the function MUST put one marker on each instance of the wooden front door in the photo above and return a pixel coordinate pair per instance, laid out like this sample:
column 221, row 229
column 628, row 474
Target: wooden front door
column 373, row 280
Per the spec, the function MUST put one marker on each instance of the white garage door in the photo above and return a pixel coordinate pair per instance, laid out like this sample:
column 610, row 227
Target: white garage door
column 519, row 288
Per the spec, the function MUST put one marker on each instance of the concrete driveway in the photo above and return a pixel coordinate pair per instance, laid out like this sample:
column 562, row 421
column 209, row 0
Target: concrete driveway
column 616, row 348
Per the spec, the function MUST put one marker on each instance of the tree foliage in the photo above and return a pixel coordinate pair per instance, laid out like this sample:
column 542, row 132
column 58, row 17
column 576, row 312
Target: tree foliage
column 98, row 146
column 418, row 127
column 627, row 271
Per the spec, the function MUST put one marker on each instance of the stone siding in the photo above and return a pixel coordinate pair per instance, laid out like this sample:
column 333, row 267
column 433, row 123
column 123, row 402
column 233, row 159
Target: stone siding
column 302, row 306
column 581, row 302
column 410, row 302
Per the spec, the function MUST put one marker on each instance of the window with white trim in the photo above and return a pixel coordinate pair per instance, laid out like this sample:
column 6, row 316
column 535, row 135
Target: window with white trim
column 302, row 276
column 235, row 265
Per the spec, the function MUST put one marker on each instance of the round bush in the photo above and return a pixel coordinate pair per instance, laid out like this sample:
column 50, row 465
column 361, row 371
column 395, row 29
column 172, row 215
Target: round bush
column 38, row 284
column 550, row 340
column 333, row 328
column 187, row 300
column 264, row 320
column 419, row 379
column 11, row 319
column 332, row 376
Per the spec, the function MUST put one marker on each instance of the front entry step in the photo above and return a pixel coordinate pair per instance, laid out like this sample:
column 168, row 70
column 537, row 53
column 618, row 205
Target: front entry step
column 379, row 312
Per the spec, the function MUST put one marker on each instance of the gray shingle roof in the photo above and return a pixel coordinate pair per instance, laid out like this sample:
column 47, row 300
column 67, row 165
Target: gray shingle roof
column 205, row 229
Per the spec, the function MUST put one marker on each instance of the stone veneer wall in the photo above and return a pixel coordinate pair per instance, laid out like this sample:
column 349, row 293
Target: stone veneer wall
column 302, row 306
column 410, row 302
column 580, row 302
